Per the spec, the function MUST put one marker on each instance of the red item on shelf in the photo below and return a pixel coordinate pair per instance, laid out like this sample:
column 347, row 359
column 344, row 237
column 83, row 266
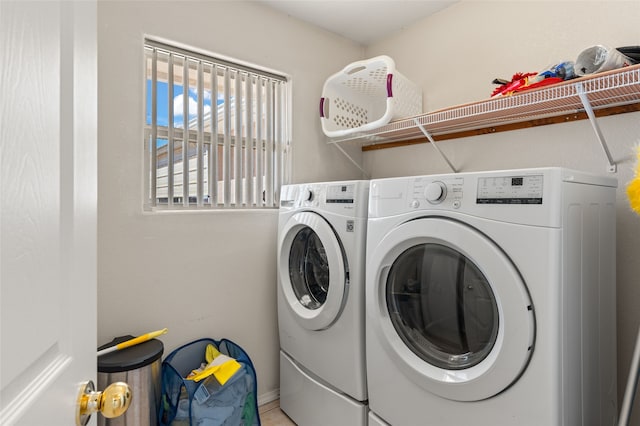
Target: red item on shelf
column 520, row 82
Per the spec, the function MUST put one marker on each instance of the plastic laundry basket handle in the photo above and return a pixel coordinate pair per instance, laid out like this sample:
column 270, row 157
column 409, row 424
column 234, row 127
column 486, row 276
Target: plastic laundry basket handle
column 389, row 85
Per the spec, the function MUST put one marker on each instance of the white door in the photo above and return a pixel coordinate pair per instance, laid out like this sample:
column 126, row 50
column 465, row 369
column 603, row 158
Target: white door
column 48, row 129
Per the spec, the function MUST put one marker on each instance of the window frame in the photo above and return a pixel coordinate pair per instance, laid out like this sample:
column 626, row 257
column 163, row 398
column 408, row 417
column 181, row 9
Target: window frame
column 263, row 120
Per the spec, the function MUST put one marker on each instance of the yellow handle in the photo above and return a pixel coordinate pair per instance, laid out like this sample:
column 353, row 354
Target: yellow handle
column 140, row 339
column 132, row 342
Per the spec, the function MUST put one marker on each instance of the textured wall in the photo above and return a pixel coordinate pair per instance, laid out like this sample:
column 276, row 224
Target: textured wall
column 201, row 274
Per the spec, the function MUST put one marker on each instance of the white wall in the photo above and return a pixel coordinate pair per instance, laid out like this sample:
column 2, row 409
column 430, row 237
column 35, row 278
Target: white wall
column 455, row 54
column 208, row 274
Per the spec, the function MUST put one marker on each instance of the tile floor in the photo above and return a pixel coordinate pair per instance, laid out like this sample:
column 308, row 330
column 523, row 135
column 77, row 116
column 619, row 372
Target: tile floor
column 271, row 415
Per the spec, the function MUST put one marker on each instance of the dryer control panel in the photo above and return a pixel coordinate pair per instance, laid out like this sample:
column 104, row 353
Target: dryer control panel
column 525, row 196
column 522, row 189
column 340, row 194
column 349, row 198
column 431, row 192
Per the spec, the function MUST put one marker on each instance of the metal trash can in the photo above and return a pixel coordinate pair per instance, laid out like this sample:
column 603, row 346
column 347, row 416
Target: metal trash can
column 140, row 366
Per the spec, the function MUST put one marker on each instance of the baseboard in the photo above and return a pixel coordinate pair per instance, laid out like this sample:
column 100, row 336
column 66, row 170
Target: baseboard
column 268, row 397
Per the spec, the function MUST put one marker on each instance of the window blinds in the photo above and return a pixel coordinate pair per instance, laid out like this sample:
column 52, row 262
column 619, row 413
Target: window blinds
column 217, row 134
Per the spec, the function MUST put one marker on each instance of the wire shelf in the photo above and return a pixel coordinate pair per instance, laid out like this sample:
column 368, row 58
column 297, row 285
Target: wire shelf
column 610, row 89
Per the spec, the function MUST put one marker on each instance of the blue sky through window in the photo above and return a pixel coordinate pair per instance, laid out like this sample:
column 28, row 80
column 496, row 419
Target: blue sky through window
column 178, row 102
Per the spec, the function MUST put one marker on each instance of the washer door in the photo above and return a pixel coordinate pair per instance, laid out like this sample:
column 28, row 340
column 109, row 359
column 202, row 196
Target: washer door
column 313, row 271
column 450, row 308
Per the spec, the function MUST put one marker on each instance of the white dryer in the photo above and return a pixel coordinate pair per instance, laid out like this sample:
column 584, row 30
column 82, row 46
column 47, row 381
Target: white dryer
column 321, row 265
column 490, row 299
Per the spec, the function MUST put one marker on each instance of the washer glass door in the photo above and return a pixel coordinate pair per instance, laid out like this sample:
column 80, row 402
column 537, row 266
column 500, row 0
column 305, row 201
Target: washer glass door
column 442, row 306
column 313, row 273
column 309, row 269
column 450, row 308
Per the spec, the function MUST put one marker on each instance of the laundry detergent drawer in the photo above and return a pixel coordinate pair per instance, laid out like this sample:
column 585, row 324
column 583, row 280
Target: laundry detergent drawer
column 311, row 403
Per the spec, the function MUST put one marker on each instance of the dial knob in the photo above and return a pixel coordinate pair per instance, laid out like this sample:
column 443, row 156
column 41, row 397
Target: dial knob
column 307, row 195
column 435, row 192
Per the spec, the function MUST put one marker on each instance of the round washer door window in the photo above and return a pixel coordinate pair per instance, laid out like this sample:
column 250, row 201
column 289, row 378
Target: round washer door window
column 313, row 271
column 450, row 308
column 309, row 269
column 442, row 306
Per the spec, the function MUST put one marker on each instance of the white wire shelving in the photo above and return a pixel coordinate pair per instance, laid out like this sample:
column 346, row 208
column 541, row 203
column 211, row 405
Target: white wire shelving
column 607, row 93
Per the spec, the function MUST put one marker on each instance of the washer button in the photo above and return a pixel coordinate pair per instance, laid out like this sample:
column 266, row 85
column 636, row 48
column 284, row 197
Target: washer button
column 414, row 204
column 456, row 204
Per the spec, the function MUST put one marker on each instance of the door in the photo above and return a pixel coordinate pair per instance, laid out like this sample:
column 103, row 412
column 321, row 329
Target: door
column 451, row 309
column 48, row 128
column 313, row 270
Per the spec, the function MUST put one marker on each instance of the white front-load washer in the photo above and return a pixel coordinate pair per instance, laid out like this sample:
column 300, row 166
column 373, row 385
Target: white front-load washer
column 321, row 265
column 490, row 299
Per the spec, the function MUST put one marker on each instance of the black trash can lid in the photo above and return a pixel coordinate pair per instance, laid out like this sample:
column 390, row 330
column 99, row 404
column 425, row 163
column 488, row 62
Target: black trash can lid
column 129, row 358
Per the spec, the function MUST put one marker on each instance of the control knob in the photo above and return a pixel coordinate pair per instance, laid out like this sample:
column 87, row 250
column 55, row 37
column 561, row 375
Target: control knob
column 435, row 192
column 307, row 195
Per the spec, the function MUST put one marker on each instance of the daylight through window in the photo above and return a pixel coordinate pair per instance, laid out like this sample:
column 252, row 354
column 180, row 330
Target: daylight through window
column 216, row 133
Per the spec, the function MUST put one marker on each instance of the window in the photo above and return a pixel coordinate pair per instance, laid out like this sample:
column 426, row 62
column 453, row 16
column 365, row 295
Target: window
column 216, row 133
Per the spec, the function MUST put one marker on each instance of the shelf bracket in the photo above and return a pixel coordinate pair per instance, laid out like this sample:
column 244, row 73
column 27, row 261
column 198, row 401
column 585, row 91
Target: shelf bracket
column 433, row 143
column 355, row 163
column 594, row 123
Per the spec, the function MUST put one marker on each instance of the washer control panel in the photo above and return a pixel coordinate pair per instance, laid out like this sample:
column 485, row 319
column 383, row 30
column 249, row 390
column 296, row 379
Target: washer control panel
column 341, row 194
column 432, row 192
column 524, row 189
column 349, row 198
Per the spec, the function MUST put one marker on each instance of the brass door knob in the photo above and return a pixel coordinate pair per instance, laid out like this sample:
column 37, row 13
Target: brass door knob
column 112, row 402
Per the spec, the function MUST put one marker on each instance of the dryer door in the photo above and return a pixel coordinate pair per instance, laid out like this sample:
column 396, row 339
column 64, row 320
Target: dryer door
column 313, row 271
column 451, row 309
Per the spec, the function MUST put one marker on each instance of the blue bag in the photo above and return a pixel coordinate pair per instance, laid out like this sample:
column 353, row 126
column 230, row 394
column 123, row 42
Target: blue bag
column 207, row 403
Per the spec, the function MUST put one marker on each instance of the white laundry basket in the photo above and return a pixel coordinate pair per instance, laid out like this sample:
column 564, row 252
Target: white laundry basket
column 365, row 95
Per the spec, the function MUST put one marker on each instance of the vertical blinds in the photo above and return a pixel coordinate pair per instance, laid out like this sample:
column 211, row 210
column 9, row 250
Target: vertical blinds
column 216, row 133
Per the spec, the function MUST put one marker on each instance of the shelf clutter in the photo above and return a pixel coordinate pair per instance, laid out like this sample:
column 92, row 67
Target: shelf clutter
column 595, row 95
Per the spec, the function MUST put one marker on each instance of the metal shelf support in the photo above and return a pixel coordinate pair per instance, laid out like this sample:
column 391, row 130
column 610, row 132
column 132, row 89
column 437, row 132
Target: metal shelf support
column 355, row 163
column 433, row 143
column 594, row 123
